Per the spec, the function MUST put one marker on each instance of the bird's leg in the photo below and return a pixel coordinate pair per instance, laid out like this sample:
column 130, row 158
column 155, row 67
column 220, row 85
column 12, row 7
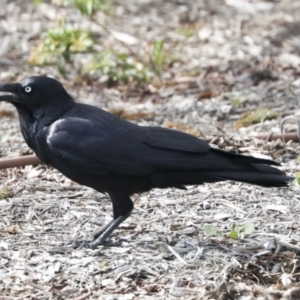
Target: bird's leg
column 122, row 208
column 86, row 244
column 109, row 228
column 98, row 232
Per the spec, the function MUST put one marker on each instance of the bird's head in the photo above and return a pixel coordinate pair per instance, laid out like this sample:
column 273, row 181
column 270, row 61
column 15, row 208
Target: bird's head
column 35, row 93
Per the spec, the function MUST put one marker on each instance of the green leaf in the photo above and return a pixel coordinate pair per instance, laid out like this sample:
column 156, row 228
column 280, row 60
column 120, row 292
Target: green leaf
column 102, row 264
column 211, row 230
column 248, row 228
column 59, row 43
column 234, row 234
column 61, row 64
column 90, row 7
column 37, row 2
column 298, row 178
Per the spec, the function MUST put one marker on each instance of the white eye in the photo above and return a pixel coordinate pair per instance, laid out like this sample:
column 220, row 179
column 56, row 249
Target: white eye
column 27, row 89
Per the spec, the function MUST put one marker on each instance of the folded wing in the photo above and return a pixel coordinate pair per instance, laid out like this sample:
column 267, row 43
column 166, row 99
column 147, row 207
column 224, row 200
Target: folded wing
column 124, row 148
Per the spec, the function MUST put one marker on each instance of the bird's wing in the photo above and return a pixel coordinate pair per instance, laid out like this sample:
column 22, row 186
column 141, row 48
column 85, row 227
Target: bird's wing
column 175, row 140
column 124, row 148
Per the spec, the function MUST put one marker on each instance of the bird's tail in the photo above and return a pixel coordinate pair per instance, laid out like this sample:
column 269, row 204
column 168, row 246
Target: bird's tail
column 230, row 166
column 265, row 176
column 252, row 170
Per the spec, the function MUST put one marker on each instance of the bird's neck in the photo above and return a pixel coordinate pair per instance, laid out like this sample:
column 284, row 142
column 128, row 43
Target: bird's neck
column 47, row 115
column 27, row 124
column 31, row 122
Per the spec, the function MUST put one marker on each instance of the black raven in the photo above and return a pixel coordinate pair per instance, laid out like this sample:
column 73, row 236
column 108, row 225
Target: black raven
column 111, row 155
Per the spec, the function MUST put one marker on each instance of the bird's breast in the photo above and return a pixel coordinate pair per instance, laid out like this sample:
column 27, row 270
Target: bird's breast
column 28, row 130
column 34, row 136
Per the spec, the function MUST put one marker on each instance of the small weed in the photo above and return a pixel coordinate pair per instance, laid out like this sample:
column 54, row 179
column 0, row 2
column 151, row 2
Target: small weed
column 156, row 56
column 256, row 116
column 298, row 178
column 37, row 2
column 59, row 43
column 211, row 230
column 189, row 30
column 5, row 192
column 90, row 7
column 235, row 232
column 236, row 102
column 102, row 264
column 117, row 67
column 186, row 31
column 122, row 68
column 86, row 7
column 194, row 72
column 238, row 99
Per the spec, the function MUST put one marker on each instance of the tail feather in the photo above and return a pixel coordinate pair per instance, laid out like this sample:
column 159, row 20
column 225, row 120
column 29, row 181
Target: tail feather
column 179, row 179
column 239, row 168
column 261, row 179
column 245, row 159
column 252, row 170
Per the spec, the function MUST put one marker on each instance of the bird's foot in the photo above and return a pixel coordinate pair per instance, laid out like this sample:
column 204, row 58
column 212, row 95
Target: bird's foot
column 98, row 233
column 98, row 241
column 92, row 244
column 79, row 244
column 100, row 236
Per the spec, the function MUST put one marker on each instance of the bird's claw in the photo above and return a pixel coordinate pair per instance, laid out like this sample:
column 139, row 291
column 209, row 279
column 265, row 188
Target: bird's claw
column 87, row 244
column 92, row 244
column 80, row 244
column 98, row 242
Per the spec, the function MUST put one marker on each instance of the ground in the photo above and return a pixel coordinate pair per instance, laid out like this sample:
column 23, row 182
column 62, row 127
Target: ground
column 232, row 56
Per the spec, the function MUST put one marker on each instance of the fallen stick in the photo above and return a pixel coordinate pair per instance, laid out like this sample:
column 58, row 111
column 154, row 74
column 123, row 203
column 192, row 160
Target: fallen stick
column 20, row 161
column 291, row 136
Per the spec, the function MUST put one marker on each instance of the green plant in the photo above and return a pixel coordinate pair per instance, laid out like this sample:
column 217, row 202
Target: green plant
column 253, row 117
column 5, row 192
column 186, row 31
column 298, row 178
column 123, row 68
column 117, row 67
column 86, row 7
column 211, row 230
column 235, row 232
column 90, row 7
column 236, row 102
column 59, row 43
column 156, row 56
column 37, row 2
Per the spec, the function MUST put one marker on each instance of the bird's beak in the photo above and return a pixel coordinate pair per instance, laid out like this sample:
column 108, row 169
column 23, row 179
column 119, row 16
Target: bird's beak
column 9, row 88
